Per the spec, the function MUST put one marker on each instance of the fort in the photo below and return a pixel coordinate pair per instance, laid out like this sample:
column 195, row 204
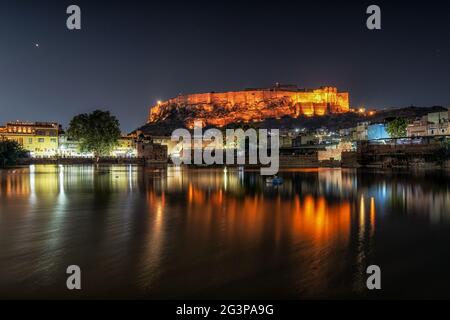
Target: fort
column 219, row 109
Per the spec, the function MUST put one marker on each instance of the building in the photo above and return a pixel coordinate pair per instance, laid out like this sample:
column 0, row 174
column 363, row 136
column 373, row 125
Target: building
column 438, row 117
column 69, row 148
column 305, row 139
column 39, row 138
column 285, row 141
column 409, row 153
column 347, row 133
column 377, row 131
column 438, row 123
column 151, row 152
column 47, row 139
column 334, row 151
column 173, row 147
column 418, row 128
column 126, row 148
column 433, row 124
column 360, row 132
column 219, row 109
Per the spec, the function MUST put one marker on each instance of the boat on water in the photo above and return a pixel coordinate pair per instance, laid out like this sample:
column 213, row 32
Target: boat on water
column 274, row 181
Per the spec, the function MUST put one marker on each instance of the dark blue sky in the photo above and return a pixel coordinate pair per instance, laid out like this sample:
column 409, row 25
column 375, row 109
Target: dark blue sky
column 131, row 53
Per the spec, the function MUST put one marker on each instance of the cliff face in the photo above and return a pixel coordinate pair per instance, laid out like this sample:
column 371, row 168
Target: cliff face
column 219, row 109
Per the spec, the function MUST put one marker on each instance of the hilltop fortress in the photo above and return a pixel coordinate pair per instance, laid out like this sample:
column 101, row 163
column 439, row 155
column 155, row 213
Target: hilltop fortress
column 219, row 109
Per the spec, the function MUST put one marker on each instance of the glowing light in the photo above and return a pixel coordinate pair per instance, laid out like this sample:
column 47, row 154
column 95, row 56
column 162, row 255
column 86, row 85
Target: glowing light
column 372, row 215
column 249, row 106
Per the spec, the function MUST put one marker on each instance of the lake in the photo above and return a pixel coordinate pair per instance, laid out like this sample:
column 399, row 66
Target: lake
column 223, row 233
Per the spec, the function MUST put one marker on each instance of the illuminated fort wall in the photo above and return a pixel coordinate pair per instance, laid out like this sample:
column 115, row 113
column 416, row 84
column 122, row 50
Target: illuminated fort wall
column 258, row 104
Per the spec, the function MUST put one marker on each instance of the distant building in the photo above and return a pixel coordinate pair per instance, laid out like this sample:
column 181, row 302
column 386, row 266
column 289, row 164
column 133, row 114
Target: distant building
column 334, row 152
column 151, row 152
column 222, row 108
column 347, row 133
column 418, row 128
column 71, row 148
column 305, row 139
column 438, row 117
column 39, row 138
column 126, row 148
column 438, row 123
column 285, row 141
column 173, row 147
column 377, row 131
column 360, row 132
column 433, row 124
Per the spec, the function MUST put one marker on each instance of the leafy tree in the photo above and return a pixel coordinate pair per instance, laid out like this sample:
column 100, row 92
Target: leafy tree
column 397, row 128
column 97, row 132
column 10, row 151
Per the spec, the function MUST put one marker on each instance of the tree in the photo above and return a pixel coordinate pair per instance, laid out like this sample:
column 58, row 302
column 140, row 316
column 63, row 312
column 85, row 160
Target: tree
column 397, row 128
column 10, row 151
column 97, row 132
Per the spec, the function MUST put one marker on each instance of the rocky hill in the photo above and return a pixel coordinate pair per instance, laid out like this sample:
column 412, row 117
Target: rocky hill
column 330, row 121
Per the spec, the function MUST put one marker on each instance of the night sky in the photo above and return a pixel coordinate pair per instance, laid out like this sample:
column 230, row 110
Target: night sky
column 131, row 53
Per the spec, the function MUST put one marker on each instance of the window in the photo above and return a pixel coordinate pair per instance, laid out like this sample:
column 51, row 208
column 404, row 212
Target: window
column 53, row 140
column 41, row 140
column 30, row 140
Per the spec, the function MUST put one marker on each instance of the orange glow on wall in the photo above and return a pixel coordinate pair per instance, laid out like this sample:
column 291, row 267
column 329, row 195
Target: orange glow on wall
column 219, row 109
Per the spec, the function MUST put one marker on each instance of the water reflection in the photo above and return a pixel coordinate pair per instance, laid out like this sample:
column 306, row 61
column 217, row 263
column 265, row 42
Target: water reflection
column 214, row 233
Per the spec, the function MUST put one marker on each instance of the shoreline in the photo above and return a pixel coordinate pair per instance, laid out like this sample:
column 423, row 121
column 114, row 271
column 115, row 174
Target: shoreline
column 248, row 168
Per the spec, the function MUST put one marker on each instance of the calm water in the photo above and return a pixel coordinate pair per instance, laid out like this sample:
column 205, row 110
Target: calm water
column 140, row 233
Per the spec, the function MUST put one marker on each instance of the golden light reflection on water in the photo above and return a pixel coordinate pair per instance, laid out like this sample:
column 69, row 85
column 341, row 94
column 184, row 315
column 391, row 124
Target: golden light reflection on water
column 318, row 223
column 372, row 216
column 217, row 209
